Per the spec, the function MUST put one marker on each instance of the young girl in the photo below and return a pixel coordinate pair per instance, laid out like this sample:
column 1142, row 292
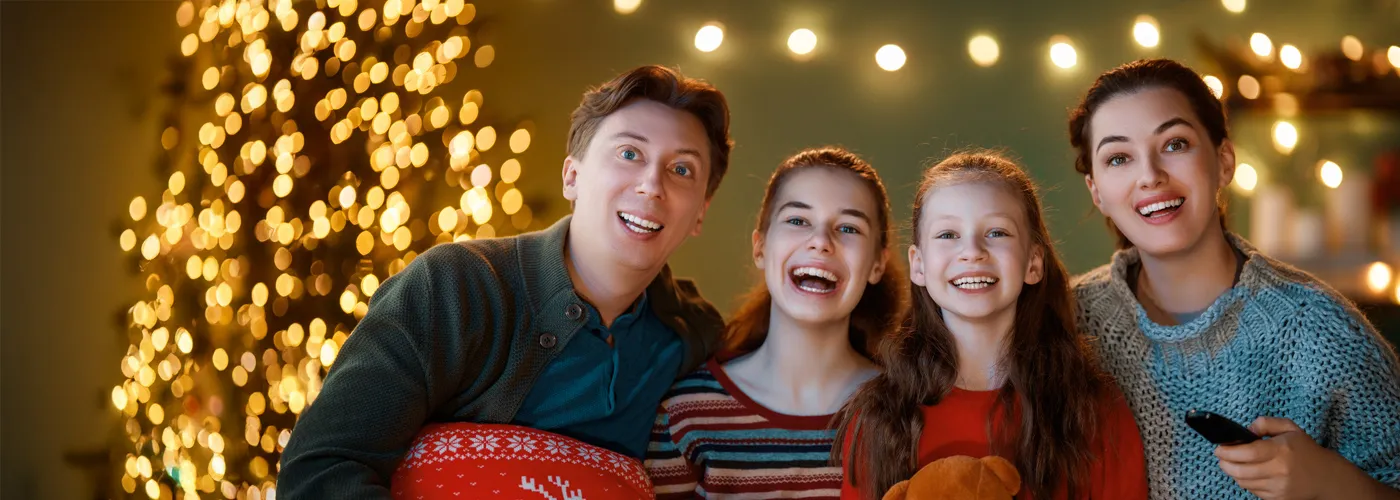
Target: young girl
column 989, row 361
column 759, row 425
column 1189, row 316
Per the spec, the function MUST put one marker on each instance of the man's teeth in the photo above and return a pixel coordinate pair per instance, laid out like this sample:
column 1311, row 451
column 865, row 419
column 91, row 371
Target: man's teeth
column 640, row 223
column 974, row 282
column 814, row 272
column 1161, row 205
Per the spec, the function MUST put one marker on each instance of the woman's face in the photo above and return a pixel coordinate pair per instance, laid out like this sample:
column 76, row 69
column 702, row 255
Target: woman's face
column 1155, row 172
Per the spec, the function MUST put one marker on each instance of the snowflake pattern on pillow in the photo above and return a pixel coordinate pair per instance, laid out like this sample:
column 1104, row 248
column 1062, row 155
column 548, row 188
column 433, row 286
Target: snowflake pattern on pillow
column 464, row 460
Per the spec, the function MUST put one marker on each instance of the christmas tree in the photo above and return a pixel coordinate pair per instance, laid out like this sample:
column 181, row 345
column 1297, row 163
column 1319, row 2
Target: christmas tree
column 311, row 152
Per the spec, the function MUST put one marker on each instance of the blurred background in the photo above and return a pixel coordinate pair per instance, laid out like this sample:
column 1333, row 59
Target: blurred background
column 199, row 197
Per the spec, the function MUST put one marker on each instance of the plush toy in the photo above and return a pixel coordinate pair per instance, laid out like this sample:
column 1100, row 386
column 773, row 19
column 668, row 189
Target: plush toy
column 961, row 477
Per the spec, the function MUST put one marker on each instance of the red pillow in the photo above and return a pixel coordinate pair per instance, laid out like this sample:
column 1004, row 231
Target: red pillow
column 469, row 461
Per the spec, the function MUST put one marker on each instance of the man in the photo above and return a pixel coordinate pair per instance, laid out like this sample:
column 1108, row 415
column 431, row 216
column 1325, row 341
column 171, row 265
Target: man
column 578, row 329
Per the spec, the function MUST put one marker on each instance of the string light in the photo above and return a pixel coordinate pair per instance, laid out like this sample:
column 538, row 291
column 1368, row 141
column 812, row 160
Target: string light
column 626, row 6
column 890, row 57
column 1378, row 277
column 1062, row 53
column 1290, row 56
column 1145, row 32
column 1248, row 87
column 1216, row 86
column 1246, row 178
column 1285, row 137
column 984, row 50
column 709, row 37
column 1352, row 48
column 1261, row 45
column 256, row 265
column 1330, row 174
column 802, row 41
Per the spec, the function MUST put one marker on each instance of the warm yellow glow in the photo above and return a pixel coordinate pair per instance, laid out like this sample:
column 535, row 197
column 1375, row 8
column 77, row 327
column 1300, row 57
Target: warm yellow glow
column 1290, row 56
column 1285, row 137
column 984, row 50
column 1248, row 87
column 481, row 175
column 510, row 171
column 1217, row 87
column 1246, row 178
column 1352, row 48
column 709, row 37
column 1145, row 32
column 802, row 41
column 519, row 141
column 890, row 57
column 626, row 6
column 1235, row 6
column 512, row 201
column 485, row 138
column 1330, row 173
column 119, row 397
column 1378, row 277
column 1062, row 53
column 1261, row 45
column 1393, row 54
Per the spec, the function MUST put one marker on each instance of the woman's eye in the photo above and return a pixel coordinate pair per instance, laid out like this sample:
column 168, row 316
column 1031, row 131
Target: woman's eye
column 629, row 154
column 1177, row 145
column 1117, row 160
column 684, row 170
column 795, row 221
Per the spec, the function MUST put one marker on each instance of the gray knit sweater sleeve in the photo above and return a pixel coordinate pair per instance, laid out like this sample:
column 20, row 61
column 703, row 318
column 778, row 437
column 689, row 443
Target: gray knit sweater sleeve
column 1280, row 343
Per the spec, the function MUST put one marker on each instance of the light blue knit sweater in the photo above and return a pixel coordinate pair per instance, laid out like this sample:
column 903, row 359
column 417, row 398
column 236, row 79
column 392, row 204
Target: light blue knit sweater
column 1280, row 343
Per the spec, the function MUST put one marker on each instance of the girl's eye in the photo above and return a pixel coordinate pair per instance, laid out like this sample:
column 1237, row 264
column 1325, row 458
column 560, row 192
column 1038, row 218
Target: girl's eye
column 997, row 233
column 1117, row 160
column 1177, row 145
column 945, row 235
column 682, row 169
column 629, row 154
column 848, row 229
column 796, row 221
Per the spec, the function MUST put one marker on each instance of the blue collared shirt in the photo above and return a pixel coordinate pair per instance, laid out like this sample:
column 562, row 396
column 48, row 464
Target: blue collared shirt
column 607, row 395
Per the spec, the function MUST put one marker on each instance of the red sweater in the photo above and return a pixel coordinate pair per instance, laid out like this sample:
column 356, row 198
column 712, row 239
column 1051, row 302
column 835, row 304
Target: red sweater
column 958, row 426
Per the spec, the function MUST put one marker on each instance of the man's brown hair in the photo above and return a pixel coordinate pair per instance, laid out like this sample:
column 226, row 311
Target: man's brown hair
column 666, row 86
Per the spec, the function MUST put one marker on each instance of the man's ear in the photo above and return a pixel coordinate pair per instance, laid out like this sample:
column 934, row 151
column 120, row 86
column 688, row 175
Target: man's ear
column 570, row 175
column 700, row 219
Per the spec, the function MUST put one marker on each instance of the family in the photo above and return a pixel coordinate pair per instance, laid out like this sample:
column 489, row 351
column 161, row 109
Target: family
column 856, row 363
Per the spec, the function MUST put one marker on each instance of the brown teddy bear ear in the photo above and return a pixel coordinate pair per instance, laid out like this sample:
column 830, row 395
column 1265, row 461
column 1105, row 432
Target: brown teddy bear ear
column 1004, row 471
column 897, row 491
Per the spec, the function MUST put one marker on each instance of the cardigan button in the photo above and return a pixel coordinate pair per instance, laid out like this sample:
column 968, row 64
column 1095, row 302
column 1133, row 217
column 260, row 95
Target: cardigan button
column 548, row 340
column 574, row 311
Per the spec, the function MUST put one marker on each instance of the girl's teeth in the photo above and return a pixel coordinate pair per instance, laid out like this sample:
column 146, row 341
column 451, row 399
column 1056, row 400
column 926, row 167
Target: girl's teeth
column 812, row 271
column 1161, row 205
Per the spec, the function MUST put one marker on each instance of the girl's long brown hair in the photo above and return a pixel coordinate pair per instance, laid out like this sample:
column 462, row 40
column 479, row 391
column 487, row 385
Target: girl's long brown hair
column 1048, row 405
column 882, row 303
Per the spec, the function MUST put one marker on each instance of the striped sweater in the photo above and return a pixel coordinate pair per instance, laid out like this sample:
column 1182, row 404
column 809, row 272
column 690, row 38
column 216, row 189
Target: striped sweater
column 712, row 441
